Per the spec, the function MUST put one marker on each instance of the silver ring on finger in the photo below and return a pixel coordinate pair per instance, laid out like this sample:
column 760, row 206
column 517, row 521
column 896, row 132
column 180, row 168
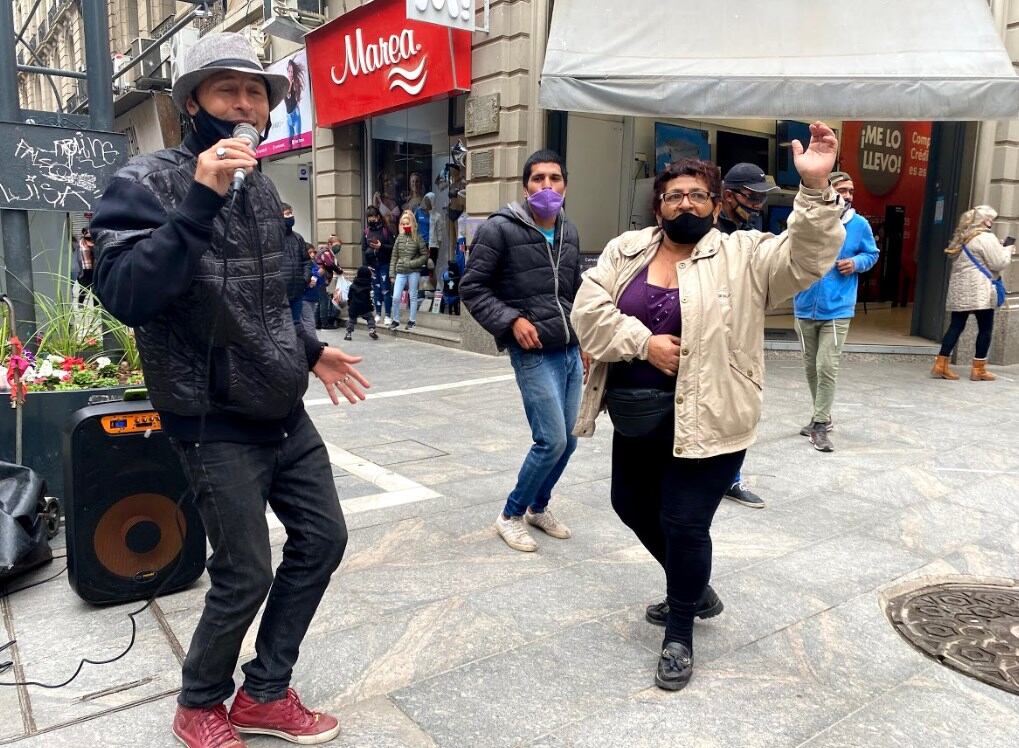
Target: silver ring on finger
column 346, row 378
column 221, row 153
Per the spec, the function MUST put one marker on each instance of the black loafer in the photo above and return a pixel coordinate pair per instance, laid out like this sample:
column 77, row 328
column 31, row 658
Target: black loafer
column 709, row 607
column 675, row 667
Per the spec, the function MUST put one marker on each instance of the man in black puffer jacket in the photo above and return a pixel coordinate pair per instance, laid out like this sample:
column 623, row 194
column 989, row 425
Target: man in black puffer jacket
column 195, row 269
column 522, row 274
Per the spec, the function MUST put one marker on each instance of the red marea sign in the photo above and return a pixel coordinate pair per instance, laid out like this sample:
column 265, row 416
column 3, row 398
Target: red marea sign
column 374, row 60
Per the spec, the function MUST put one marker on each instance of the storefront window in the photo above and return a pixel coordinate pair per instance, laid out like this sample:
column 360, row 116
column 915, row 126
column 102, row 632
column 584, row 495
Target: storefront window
column 411, row 169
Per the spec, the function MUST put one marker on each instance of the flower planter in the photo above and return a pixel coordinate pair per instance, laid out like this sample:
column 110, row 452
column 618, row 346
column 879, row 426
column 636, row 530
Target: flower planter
column 46, row 415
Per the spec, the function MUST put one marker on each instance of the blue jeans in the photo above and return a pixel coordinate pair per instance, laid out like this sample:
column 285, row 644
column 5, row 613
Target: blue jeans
column 410, row 281
column 550, row 384
column 380, row 289
column 232, row 484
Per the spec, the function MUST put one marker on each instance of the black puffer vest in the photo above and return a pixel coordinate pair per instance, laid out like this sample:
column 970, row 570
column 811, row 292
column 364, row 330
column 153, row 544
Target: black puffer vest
column 259, row 369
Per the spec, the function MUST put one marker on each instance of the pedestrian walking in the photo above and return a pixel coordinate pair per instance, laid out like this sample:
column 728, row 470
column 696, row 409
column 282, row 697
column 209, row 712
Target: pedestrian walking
column 227, row 370
column 310, row 298
column 974, row 287
column 359, row 303
column 520, row 282
column 294, row 266
column 410, row 255
column 823, row 313
column 674, row 317
column 745, row 189
column 376, row 252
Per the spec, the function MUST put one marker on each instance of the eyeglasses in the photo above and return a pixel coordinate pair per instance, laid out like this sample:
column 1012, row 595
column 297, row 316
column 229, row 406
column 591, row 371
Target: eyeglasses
column 697, row 198
column 753, row 199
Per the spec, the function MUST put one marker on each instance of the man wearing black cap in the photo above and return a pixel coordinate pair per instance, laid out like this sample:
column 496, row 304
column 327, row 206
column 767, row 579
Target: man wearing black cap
column 745, row 191
column 194, row 267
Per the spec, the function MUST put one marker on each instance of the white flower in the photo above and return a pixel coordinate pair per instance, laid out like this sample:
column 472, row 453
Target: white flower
column 103, row 362
column 46, row 370
column 62, row 375
column 55, row 359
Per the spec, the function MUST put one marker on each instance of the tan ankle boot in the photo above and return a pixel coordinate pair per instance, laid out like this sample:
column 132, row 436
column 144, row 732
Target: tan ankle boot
column 979, row 371
column 942, row 370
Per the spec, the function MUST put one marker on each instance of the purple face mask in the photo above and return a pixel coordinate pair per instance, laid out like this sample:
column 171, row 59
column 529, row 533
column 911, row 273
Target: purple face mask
column 546, row 203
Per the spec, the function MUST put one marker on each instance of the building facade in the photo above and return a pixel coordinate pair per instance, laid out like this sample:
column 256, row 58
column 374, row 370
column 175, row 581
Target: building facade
column 397, row 156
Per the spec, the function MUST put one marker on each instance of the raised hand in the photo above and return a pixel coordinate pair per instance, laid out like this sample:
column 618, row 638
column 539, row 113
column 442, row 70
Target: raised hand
column 816, row 162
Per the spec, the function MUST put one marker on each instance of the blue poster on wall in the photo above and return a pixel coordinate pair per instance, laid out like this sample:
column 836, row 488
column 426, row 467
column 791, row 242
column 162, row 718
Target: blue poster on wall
column 673, row 142
column 786, row 131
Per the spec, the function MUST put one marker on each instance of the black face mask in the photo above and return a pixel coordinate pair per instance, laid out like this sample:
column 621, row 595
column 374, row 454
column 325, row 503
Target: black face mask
column 210, row 130
column 289, row 222
column 687, row 228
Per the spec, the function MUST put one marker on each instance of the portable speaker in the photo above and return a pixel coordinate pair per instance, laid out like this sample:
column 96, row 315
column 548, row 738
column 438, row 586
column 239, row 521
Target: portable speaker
column 126, row 536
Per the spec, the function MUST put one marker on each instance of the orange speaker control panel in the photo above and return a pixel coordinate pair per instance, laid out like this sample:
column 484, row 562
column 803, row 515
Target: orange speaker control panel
column 131, row 423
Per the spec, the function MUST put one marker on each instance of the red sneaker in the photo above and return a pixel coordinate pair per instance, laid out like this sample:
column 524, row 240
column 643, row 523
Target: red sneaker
column 285, row 718
column 205, row 728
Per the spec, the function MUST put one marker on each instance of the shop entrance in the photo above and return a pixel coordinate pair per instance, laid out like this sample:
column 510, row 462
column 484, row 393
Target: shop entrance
column 410, row 168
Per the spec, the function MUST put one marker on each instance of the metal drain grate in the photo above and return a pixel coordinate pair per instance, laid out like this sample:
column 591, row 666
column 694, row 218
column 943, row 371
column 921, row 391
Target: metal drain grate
column 969, row 627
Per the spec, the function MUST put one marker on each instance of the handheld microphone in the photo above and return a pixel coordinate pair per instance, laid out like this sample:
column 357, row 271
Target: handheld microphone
column 247, row 132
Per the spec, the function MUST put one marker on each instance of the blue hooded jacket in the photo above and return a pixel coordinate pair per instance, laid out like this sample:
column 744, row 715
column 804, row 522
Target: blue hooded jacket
column 834, row 295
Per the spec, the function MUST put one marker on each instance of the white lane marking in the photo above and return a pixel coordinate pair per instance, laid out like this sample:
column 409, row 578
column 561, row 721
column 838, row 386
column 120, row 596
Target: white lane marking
column 977, row 470
column 419, row 390
column 396, row 489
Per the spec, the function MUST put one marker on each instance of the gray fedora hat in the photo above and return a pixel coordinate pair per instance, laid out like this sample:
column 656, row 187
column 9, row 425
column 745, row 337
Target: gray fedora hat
column 216, row 53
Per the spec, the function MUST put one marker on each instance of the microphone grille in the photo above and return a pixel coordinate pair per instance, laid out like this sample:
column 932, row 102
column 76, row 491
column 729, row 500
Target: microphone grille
column 247, row 132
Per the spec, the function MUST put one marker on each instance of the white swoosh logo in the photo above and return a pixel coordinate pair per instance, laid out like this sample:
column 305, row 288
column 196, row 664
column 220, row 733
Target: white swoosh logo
column 412, row 90
column 411, row 75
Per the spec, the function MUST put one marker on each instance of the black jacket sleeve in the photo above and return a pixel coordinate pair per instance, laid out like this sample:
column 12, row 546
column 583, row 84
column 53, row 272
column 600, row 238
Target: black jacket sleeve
column 478, row 282
column 146, row 258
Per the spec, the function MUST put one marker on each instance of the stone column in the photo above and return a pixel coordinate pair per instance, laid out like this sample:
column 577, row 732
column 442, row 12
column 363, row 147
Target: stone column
column 338, row 189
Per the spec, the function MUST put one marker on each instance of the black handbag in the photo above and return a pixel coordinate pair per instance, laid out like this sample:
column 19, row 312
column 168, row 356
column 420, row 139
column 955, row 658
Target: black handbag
column 639, row 411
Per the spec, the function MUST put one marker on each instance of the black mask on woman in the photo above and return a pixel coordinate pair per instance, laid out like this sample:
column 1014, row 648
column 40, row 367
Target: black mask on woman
column 687, row 228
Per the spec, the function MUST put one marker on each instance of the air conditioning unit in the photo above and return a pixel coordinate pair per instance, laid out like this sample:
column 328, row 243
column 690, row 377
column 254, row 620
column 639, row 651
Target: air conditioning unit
column 126, row 81
column 154, row 68
column 180, row 43
column 292, row 19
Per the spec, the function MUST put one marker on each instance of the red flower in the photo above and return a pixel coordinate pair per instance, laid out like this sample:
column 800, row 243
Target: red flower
column 91, row 342
column 73, row 363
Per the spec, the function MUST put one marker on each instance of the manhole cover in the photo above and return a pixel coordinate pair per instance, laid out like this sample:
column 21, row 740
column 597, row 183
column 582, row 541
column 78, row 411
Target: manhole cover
column 972, row 628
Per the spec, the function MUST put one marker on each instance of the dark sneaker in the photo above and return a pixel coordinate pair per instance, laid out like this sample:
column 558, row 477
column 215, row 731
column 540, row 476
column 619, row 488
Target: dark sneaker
column 285, row 718
column 819, row 438
column 805, row 431
column 709, row 607
column 348, row 336
column 743, row 495
column 205, row 728
column 394, row 325
column 372, row 334
column 411, row 325
column 675, row 667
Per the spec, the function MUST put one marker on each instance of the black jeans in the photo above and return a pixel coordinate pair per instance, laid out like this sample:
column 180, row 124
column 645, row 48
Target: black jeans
column 233, row 483
column 985, row 325
column 669, row 503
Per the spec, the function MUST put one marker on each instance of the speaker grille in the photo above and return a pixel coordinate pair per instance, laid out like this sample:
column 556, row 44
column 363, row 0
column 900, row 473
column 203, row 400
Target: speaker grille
column 139, row 535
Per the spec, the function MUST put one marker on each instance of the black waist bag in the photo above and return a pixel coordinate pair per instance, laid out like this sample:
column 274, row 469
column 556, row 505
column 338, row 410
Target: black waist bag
column 639, row 411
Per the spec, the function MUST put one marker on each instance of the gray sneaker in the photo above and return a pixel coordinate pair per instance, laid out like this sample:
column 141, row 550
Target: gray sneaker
column 819, row 438
column 805, row 431
column 546, row 522
column 512, row 530
column 743, row 495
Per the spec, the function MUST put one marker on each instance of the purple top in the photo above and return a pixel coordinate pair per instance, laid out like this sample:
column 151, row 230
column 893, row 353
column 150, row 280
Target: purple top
column 658, row 308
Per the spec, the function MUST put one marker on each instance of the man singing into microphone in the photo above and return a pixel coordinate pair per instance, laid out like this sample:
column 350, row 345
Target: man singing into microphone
column 194, row 266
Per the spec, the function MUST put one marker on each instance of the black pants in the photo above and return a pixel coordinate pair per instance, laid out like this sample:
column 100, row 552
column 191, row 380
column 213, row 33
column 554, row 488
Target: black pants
column 233, row 483
column 985, row 325
column 669, row 503
column 368, row 317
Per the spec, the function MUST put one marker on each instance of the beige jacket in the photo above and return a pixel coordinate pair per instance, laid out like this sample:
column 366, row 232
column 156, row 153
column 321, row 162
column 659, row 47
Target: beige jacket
column 724, row 289
column 970, row 289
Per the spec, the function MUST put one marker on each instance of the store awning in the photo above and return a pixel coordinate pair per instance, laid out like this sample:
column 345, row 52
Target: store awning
column 782, row 59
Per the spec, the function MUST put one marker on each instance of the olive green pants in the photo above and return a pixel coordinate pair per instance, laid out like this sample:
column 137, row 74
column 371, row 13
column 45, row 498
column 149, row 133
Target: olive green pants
column 822, row 342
